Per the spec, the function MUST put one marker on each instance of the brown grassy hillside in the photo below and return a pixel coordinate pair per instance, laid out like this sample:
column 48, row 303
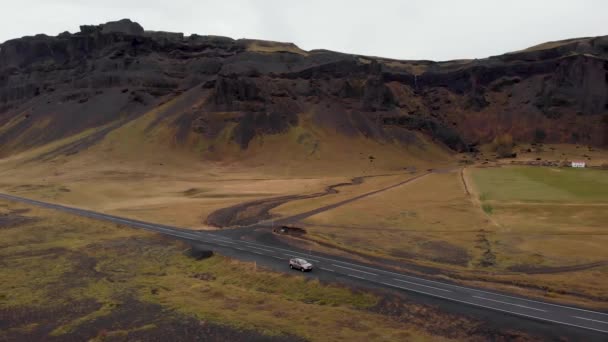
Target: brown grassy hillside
column 208, row 91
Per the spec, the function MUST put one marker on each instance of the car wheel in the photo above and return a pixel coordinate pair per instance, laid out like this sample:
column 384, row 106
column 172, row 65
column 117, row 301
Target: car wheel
column 303, row 269
column 291, row 266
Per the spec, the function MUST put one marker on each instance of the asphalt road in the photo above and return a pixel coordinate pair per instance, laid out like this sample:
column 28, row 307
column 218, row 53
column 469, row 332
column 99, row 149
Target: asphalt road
column 276, row 255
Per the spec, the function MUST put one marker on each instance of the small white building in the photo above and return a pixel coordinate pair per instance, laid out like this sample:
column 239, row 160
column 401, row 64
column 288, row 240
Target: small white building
column 578, row 164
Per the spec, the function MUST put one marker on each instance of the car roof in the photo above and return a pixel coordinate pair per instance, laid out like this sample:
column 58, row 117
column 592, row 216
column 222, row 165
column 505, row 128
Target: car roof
column 299, row 259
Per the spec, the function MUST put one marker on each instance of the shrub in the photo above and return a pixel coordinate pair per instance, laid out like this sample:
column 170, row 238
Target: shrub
column 487, row 208
column 503, row 146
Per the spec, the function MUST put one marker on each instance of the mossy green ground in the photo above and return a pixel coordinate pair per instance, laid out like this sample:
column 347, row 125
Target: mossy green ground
column 550, row 222
column 541, row 184
column 74, row 278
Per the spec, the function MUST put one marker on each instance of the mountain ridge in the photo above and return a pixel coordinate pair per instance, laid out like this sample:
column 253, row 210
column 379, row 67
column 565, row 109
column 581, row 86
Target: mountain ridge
column 55, row 87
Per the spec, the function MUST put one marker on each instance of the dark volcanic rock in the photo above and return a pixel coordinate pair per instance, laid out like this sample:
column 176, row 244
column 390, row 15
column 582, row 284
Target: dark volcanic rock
column 376, row 95
column 122, row 26
column 113, row 72
column 228, row 90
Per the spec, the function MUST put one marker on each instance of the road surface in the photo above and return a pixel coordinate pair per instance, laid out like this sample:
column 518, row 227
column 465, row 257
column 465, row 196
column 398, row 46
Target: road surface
column 276, row 255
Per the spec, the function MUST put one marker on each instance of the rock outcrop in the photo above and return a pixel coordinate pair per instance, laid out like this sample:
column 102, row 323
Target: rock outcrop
column 116, row 70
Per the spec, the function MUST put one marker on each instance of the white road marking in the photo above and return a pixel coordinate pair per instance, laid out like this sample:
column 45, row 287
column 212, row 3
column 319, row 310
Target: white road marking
column 430, row 287
column 276, row 257
column 589, row 319
column 535, row 301
column 289, row 252
column 232, row 243
column 498, row 294
column 354, row 269
column 257, row 252
column 263, row 249
column 498, row 301
column 354, row 276
column 409, row 289
column 495, row 309
column 326, row 269
column 173, row 231
column 473, row 289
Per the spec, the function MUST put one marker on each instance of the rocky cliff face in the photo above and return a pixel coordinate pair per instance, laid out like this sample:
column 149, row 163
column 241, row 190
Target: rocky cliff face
column 53, row 87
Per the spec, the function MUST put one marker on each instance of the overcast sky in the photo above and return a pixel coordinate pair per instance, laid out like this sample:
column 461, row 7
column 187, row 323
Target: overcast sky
column 416, row 29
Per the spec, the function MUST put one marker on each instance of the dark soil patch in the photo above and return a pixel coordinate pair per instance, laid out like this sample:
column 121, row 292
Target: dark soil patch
column 47, row 253
column 193, row 330
column 45, row 319
column 402, row 254
column 302, row 216
column 192, row 192
column 129, row 320
column 83, row 269
column 204, row 276
column 82, row 266
column 443, row 252
column 290, row 230
column 162, row 325
column 249, row 213
column 88, row 140
column 133, row 244
column 488, row 258
column 198, row 253
column 530, row 269
column 13, row 219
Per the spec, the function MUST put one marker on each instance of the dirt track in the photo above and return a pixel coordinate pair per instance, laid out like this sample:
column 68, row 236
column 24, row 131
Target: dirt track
column 301, row 216
column 253, row 212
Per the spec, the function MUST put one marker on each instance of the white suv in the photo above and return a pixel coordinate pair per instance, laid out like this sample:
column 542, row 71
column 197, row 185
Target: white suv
column 300, row 264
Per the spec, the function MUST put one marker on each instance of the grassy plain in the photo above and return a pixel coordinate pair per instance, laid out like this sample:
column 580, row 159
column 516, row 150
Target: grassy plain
column 72, row 278
column 534, row 227
column 535, row 230
column 146, row 175
column 542, row 184
column 430, row 219
column 548, row 216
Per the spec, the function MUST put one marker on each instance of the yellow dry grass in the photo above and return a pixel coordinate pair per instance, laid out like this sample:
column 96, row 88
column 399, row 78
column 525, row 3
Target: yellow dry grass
column 429, row 219
column 145, row 174
column 433, row 222
column 165, row 193
column 60, row 261
column 273, row 47
column 551, row 45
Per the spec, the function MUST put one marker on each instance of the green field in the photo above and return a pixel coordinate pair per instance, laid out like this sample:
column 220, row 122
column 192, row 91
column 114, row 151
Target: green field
column 548, row 220
column 539, row 184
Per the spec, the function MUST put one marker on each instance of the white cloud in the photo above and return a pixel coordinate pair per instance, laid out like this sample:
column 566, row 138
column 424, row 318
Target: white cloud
column 430, row 29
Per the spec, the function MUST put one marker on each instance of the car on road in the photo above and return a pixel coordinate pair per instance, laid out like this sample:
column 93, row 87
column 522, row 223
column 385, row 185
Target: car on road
column 300, row 264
